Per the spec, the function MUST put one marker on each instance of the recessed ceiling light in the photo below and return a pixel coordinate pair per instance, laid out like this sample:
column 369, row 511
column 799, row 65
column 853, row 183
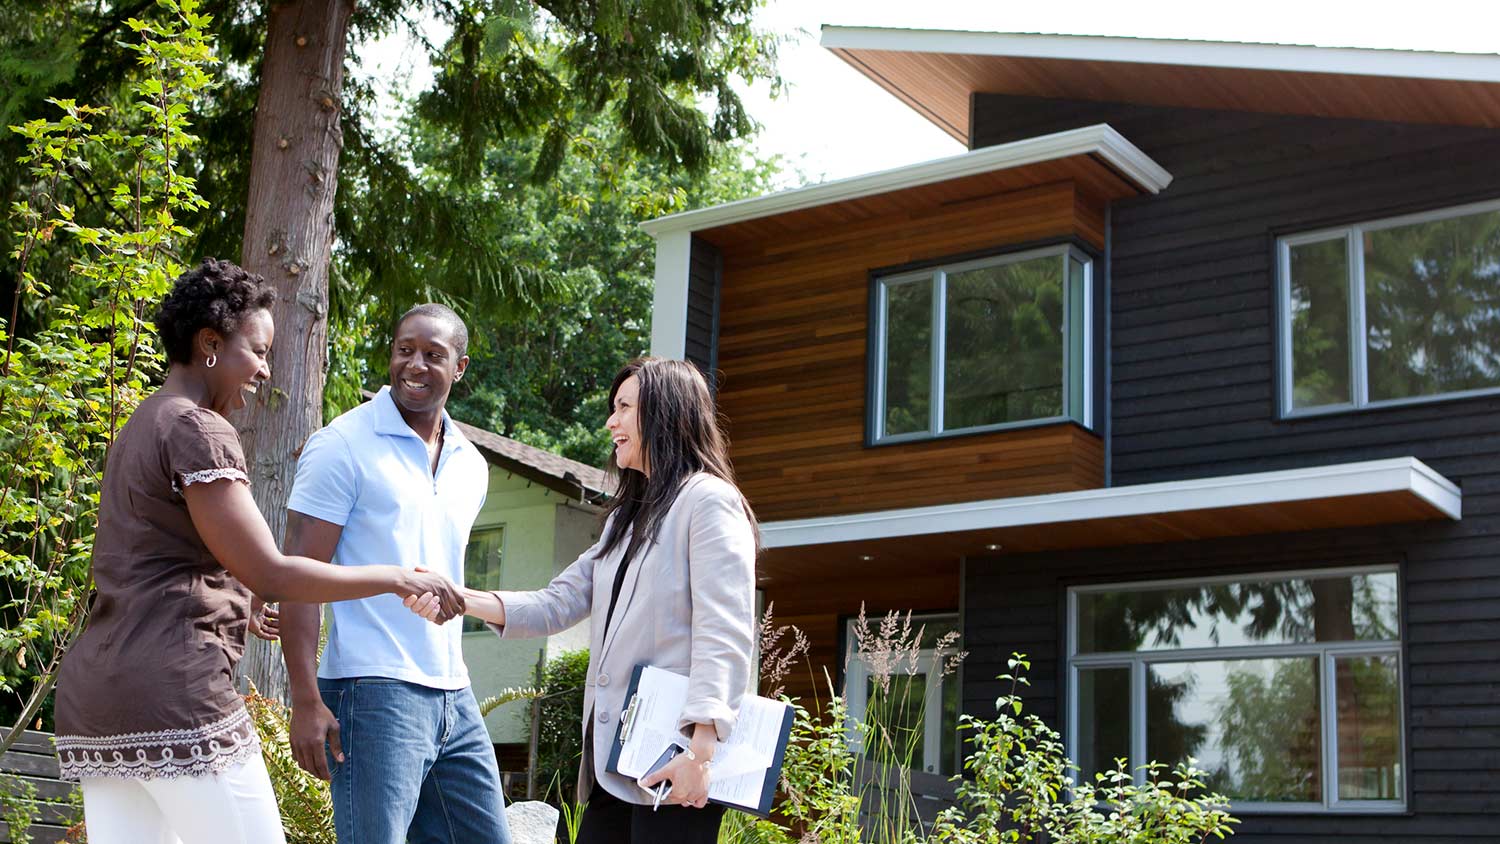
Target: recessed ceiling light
column 993, row 546
column 866, row 557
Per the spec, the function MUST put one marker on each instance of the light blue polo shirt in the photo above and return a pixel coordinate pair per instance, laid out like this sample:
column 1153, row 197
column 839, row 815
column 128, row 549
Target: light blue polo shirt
column 368, row 471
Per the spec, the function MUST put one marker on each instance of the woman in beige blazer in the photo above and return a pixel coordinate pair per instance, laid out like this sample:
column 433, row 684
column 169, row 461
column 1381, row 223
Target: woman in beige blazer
column 671, row 583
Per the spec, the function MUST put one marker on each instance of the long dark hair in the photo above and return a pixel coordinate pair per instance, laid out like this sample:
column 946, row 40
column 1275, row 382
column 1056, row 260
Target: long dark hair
column 681, row 433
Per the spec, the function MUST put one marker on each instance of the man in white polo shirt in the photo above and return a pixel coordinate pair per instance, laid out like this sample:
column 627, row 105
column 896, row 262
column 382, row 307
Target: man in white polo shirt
column 388, row 716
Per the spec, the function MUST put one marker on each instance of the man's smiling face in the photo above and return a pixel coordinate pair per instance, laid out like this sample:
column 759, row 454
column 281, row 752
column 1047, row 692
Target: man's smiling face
column 424, row 363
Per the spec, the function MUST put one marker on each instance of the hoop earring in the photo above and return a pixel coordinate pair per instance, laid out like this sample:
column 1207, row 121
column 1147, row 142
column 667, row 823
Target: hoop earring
column 212, row 360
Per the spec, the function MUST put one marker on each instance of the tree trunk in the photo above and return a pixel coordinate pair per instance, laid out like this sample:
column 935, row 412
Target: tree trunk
column 288, row 239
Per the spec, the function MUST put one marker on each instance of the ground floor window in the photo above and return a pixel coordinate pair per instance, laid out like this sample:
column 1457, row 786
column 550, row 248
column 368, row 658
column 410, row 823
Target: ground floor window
column 482, row 560
column 905, row 678
column 1285, row 687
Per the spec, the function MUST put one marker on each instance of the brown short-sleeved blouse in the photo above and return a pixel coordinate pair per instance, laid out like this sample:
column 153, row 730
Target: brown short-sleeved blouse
column 147, row 690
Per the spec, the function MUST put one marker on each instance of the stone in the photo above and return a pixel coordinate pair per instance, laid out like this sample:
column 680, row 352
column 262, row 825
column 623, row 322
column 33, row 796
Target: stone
column 531, row 822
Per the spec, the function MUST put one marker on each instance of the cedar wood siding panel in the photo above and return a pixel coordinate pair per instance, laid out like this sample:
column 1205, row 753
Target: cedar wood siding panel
column 703, row 306
column 792, row 352
column 1193, row 395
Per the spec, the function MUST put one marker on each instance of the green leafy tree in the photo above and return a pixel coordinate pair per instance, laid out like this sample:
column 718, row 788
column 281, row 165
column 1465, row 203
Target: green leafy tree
column 309, row 192
column 541, row 376
column 68, row 387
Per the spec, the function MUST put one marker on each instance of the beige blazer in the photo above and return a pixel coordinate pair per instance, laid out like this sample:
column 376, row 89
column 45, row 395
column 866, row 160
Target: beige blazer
column 687, row 605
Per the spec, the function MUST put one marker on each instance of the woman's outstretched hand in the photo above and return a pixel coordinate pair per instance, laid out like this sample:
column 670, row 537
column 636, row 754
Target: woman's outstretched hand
column 427, row 605
column 445, row 599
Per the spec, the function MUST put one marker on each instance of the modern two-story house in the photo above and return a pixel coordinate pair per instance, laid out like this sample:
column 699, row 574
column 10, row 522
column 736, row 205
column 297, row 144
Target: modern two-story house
column 1183, row 380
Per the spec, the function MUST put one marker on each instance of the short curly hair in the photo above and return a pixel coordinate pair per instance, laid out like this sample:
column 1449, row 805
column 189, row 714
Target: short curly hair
column 215, row 294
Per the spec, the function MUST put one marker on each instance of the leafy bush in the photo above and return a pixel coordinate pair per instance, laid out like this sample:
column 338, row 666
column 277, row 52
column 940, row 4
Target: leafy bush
column 1018, row 788
column 305, row 803
column 559, row 742
column 68, row 384
column 1021, row 789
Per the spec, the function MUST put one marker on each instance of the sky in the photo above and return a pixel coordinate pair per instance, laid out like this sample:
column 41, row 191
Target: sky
column 831, row 122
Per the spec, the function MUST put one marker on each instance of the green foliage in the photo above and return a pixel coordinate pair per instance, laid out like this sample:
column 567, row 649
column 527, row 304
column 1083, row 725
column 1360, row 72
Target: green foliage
column 1020, row 789
column 541, row 377
column 559, row 745
column 623, row 107
column 305, row 801
column 18, row 808
column 68, row 388
column 550, row 68
column 572, row 818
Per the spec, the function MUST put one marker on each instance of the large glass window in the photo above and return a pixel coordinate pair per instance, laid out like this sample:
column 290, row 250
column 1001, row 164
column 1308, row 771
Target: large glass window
column 1285, row 688
column 1391, row 311
column 482, row 566
column 982, row 344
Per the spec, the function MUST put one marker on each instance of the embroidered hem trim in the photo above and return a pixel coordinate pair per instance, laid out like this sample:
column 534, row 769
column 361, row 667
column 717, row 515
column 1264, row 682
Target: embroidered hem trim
column 162, row 754
column 206, row 475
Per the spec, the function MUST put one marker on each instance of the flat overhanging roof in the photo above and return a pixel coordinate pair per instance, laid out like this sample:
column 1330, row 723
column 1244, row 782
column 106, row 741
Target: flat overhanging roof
column 1101, row 143
column 936, row 71
column 1395, row 490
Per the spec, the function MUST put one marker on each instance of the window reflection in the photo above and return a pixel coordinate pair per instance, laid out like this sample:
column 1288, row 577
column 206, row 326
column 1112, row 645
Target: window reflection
column 1261, row 612
column 1253, row 724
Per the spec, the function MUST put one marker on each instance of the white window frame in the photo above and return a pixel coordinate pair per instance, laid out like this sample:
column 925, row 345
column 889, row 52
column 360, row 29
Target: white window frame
column 930, row 660
column 1327, row 654
column 1353, row 237
column 938, row 278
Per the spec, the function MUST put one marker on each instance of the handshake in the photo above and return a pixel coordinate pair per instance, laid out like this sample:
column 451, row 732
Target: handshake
column 431, row 595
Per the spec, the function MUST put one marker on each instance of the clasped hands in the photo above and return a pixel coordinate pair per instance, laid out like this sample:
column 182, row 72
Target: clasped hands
column 443, row 600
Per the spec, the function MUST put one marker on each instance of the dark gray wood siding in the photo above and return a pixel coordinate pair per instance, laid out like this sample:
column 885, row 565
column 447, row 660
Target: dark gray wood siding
column 704, row 269
column 1192, row 362
column 1192, row 310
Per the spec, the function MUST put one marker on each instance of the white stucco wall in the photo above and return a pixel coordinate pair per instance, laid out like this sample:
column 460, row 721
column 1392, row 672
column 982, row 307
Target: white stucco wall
column 539, row 524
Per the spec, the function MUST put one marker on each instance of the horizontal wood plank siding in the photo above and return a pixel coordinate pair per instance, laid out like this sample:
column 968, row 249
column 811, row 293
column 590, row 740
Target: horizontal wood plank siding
column 1194, row 395
column 792, row 346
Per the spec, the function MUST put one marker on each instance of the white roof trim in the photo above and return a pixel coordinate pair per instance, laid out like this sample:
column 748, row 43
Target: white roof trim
column 1101, row 140
column 1358, row 61
column 1401, row 474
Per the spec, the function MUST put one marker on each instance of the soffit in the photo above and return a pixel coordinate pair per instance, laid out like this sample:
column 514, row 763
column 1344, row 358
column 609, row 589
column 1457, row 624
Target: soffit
column 882, row 543
column 936, row 73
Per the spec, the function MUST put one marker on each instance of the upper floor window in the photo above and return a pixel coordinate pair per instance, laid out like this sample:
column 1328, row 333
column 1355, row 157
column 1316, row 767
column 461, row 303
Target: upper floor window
column 982, row 345
column 1286, row 688
column 1392, row 311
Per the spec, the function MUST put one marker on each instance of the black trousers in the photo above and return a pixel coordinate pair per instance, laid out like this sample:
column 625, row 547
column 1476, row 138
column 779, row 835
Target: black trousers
column 610, row 820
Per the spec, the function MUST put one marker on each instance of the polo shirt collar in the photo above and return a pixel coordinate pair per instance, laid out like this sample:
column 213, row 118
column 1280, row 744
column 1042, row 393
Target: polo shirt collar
column 388, row 421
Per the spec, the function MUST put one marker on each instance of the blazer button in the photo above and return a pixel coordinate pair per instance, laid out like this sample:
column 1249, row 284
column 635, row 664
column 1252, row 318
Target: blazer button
column 604, row 717
column 603, row 680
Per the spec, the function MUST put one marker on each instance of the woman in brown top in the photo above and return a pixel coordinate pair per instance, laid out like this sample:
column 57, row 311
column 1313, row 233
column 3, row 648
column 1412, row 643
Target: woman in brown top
column 147, row 715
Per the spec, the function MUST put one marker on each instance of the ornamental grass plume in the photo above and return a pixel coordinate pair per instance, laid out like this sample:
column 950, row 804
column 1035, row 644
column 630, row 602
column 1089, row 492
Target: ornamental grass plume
column 776, row 661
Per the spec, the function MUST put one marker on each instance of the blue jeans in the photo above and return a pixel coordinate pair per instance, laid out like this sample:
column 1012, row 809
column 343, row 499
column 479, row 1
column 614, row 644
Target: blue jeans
column 418, row 765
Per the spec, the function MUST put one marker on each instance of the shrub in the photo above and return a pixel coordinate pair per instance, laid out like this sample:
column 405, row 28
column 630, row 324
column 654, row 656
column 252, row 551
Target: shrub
column 305, row 803
column 1020, row 788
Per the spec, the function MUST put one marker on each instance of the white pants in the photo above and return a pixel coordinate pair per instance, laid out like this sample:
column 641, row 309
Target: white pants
column 235, row 806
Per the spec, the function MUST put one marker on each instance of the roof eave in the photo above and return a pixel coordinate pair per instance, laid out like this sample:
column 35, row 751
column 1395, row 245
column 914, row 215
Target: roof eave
column 1100, row 140
column 1354, row 61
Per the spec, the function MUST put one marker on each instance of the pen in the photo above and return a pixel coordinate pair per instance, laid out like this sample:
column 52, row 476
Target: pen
column 661, row 789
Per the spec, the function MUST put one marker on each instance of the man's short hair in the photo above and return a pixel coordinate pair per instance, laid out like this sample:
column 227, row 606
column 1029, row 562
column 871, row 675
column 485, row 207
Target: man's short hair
column 443, row 314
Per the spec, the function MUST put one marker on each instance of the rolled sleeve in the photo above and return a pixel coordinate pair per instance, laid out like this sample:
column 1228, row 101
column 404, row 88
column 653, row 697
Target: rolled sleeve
column 721, row 570
column 327, row 483
column 563, row 603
